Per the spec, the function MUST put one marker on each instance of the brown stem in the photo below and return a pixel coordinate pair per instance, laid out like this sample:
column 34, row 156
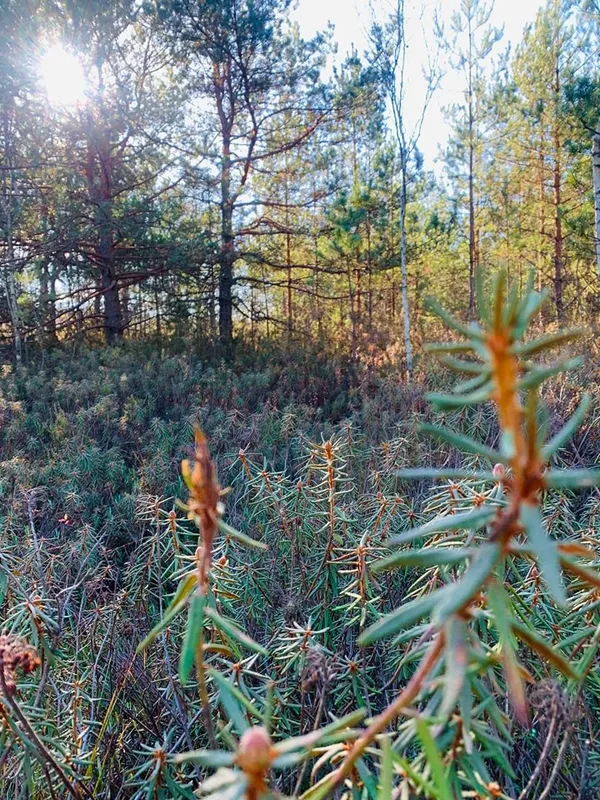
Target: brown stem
column 43, row 753
column 411, row 690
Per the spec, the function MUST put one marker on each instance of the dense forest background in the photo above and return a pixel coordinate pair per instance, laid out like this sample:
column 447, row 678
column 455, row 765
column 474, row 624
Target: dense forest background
column 210, row 223
column 213, row 186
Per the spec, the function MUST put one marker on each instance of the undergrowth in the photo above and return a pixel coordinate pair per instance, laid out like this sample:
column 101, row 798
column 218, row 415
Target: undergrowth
column 301, row 644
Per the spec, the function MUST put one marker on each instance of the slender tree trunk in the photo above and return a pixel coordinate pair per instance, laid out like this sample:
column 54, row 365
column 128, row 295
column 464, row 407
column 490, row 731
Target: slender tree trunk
column 558, row 236
column 541, row 216
column 227, row 254
column 226, row 280
column 9, row 265
column 100, row 194
column 404, row 270
column 288, row 257
column 596, row 177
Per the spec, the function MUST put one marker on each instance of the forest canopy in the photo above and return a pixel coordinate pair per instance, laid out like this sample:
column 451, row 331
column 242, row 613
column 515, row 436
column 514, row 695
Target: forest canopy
column 196, row 169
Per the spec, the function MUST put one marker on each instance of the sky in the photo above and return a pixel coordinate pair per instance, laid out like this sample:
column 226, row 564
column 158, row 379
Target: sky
column 351, row 23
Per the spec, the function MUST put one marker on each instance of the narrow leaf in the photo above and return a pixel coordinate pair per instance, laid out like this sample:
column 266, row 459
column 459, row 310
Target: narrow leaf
column 401, row 618
column 469, row 520
column 428, row 557
column 228, row 690
column 193, row 632
column 588, row 576
column 500, row 606
column 386, row 773
column 444, row 474
column 206, row 758
column 240, row 537
column 572, row 478
column 536, row 376
column 455, row 655
column 231, row 629
column 545, row 550
column 565, row 433
column 470, row 331
column 175, row 606
column 547, row 651
column 447, row 402
column 458, row 595
column 434, row 761
column 546, row 342
column 459, row 440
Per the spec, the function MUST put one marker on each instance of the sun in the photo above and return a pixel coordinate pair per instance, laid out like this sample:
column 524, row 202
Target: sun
column 63, row 76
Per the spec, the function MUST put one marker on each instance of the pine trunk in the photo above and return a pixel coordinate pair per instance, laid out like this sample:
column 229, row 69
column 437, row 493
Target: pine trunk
column 596, row 176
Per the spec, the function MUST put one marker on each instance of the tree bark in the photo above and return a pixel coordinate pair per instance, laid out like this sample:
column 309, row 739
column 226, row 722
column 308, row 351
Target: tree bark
column 9, row 260
column 227, row 245
column 100, row 194
column 404, row 270
column 558, row 236
column 596, row 177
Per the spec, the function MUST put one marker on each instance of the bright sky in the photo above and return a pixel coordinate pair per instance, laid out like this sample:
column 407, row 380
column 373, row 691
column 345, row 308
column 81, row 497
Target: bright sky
column 351, row 19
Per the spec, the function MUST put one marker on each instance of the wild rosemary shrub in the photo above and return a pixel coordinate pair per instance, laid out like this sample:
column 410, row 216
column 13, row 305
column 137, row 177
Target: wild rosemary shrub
column 356, row 627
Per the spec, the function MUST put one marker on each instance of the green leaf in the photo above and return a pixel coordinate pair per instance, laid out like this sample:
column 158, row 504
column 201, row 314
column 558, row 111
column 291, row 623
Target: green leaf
column 536, row 376
column 468, row 520
column 206, row 758
column 460, row 365
column 309, row 740
column 471, row 331
column 427, row 557
column 229, row 627
column 444, row 474
column 233, row 698
column 321, row 789
column 448, row 402
column 175, row 606
column 459, row 440
column 500, row 606
column 572, row 478
column 386, row 772
column 529, row 306
column 457, row 595
column 545, row 550
column 565, row 433
column 546, row 342
column 193, row 633
column 448, row 347
column 456, row 658
column 401, row 618
column 240, row 537
column 434, row 760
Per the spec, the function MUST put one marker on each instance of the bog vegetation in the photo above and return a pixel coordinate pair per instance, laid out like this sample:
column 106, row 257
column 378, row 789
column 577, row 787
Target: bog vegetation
column 260, row 535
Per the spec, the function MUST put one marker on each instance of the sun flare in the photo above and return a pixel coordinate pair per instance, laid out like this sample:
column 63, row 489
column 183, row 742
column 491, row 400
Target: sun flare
column 63, row 76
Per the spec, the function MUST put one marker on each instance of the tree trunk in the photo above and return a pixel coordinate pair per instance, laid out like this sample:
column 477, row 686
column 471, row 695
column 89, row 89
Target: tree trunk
column 100, row 194
column 404, row 270
column 9, row 261
column 227, row 260
column 227, row 254
column 596, row 176
column 558, row 236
